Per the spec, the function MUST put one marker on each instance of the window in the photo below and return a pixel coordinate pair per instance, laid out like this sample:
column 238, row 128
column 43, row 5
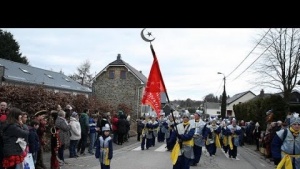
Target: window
column 49, row 76
column 111, row 74
column 24, row 70
column 123, row 74
column 66, row 79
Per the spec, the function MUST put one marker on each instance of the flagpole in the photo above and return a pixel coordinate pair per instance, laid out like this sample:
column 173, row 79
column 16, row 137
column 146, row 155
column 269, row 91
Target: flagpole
column 164, row 87
column 154, row 56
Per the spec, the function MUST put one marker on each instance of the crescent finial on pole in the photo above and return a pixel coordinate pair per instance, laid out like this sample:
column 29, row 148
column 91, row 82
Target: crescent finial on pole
column 146, row 39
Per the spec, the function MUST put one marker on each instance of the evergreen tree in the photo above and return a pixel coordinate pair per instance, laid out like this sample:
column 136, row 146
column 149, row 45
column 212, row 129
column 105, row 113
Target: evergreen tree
column 9, row 48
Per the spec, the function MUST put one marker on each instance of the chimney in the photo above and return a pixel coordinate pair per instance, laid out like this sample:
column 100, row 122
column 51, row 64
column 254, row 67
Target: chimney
column 119, row 57
column 2, row 71
column 262, row 93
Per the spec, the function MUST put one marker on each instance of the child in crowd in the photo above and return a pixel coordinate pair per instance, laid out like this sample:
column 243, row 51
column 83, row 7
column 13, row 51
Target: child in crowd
column 104, row 150
column 33, row 139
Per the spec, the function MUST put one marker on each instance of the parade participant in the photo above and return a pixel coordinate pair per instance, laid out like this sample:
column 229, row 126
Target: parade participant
column 140, row 127
column 40, row 117
column 213, row 138
column 169, row 125
column 285, row 145
column 55, row 141
column 233, row 131
column 153, row 127
column 146, row 134
column 171, row 141
column 225, row 142
column 200, row 135
column 161, row 128
column 182, row 152
column 104, row 150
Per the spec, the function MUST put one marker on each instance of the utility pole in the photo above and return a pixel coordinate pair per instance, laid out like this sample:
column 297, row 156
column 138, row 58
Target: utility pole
column 224, row 98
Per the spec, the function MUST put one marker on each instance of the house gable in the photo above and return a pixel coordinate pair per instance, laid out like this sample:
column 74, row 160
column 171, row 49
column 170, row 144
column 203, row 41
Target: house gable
column 212, row 108
column 120, row 63
column 238, row 98
column 125, row 86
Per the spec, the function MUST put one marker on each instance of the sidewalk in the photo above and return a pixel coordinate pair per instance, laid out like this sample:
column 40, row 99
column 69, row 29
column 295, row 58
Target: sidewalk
column 253, row 148
column 47, row 155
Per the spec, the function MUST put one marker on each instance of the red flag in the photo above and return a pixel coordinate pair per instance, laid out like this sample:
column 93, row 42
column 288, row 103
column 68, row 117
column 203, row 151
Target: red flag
column 155, row 85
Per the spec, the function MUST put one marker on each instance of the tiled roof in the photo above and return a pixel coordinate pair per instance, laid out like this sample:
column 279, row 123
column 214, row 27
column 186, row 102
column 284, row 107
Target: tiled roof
column 211, row 105
column 22, row 73
column 237, row 96
column 120, row 62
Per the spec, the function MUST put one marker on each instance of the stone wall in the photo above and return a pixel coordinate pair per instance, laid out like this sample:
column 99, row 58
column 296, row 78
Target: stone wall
column 116, row 91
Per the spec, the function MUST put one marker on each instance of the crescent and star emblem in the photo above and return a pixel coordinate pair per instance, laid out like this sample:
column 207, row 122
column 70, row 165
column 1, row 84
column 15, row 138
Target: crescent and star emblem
column 146, row 39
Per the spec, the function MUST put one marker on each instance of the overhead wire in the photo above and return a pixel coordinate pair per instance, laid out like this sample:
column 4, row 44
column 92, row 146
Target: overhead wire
column 249, row 52
column 258, row 57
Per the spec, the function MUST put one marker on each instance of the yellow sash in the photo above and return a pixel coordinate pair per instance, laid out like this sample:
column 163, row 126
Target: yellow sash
column 106, row 160
column 175, row 153
column 189, row 143
column 176, row 150
column 225, row 140
column 217, row 141
column 230, row 142
column 207, row 142
column 286, row 161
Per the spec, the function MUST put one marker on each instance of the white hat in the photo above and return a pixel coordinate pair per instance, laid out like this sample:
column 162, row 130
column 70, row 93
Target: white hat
column 186, row 114
column 106, row 127
column 69, row 107
column 198, row 112
column 295, row 119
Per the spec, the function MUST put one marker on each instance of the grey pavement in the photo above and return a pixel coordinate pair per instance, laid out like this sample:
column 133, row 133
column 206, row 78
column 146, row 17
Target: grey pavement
column 89, row 160
column 161, row 160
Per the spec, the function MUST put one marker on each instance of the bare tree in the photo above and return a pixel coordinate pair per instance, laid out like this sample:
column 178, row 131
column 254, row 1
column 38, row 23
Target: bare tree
column 280, row 67
column 83, row 75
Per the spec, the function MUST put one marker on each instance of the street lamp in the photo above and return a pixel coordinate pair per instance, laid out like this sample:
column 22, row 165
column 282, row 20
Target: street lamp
column 224, row 98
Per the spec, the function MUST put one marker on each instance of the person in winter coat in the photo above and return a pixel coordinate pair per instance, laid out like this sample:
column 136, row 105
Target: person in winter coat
column 122, row 129
column 33, row 139
column 75, row 134
column 64, row 134
column 85, row 129
column 114, row 122
column 256, row 134
column 13, row 153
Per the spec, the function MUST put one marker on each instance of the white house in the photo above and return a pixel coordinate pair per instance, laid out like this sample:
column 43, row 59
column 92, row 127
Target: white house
column 237, row 99
column 212, row 109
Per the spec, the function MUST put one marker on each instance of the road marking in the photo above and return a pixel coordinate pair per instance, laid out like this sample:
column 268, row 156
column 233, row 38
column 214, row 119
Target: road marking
column 162, row 148
column 137, row 149
column 226, row 155
column 262, row 164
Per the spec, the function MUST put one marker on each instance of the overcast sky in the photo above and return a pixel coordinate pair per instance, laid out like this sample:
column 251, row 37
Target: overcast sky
column 189, row 58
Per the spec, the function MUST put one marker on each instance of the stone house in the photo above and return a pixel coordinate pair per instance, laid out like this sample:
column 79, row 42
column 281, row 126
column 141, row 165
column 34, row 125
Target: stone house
column 14, row 73
column 120, row 83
